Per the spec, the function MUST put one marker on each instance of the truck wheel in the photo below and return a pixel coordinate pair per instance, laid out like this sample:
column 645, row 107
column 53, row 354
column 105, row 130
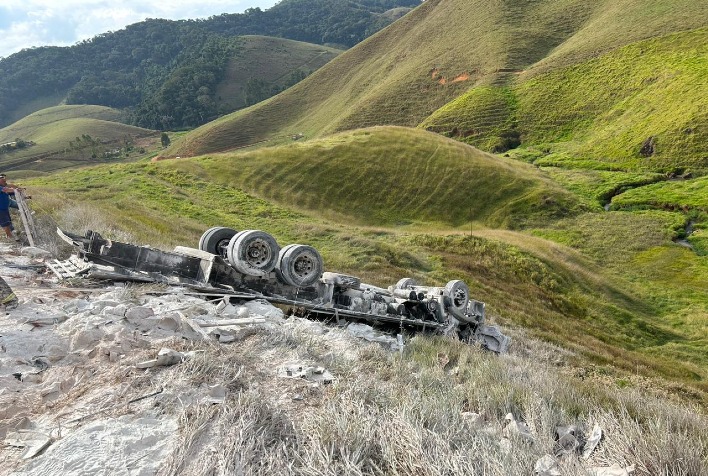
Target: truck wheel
column 299, row 265
column 459, row 295
column 253, row 252
column 216, row 239
column 405, row 283
column 278, row 272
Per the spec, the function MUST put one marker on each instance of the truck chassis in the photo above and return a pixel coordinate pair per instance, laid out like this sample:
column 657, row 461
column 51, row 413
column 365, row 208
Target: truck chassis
column 250, row 265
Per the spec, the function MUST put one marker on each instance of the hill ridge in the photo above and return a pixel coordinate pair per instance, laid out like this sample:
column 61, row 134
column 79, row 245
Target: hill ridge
column 388, row 78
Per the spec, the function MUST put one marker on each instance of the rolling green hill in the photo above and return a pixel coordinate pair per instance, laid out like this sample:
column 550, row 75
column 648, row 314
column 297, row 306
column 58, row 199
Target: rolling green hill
column 602, row 112
column 64, row 136
column 393, row 176
column 445, row 48
column 47, row 117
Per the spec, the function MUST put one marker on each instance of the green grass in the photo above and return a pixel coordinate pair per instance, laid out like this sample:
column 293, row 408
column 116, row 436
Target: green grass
column 611, row 25
column 430, row 57
column 52, row 130
column 668, row 278
column 481, row 117
column 674, row 195
column 611, row 238
column 598, row 187
column 605, row 109
column 393, row 176
column 598, row 114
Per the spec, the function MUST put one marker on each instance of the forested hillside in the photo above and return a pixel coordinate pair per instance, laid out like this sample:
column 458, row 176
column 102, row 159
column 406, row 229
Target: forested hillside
column 167, row 72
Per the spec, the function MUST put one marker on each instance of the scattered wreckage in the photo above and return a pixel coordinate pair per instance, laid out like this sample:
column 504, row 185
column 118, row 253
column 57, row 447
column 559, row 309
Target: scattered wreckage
column 251, row 265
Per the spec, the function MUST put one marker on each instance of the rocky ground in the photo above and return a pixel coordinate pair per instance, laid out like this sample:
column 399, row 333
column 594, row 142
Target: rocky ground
column 85, row 383
column 103, row 378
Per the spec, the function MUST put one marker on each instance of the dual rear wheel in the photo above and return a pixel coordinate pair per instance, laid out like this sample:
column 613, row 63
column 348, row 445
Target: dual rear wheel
column 256, row 253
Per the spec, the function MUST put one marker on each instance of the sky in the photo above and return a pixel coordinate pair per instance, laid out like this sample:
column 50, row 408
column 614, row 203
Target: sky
column 28, row 23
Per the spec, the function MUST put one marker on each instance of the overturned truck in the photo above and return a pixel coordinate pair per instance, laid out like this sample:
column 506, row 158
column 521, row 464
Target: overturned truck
column 251, row 265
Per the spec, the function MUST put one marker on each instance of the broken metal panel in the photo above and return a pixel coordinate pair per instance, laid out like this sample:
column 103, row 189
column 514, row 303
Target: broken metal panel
column 148, row 260
column 212, row 268
column 491, row 338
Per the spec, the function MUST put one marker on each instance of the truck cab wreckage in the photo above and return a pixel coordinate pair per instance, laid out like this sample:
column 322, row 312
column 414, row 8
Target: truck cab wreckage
column 250, row 265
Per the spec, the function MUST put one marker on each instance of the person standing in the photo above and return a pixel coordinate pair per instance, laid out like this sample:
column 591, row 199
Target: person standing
column 5, row 220
column 8, row 299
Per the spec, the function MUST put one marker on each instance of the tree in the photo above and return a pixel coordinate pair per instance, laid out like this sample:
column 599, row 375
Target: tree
column 165, row 139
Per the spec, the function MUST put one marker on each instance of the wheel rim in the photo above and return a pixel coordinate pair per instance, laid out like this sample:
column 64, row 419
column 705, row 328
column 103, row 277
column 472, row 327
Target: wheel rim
column 459, row 298
column 216, row 239
column 303, row 266
column 253, row 252
column 299, row 265
column 459, row 294
column 258, row 253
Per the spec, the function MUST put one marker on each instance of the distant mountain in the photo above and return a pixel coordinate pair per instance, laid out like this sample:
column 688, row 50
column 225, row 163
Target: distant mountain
column 595, row 78
column 176, row 60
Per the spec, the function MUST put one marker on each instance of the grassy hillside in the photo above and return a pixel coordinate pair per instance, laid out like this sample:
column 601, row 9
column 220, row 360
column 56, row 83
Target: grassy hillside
column 64, row 136
column 394, row 176
column 673, row 195
column 613, row 24
column 46, row 117
column 603, row 111
column 439, row 51
column 273, row 63
column 608, row 107
column 385, row 203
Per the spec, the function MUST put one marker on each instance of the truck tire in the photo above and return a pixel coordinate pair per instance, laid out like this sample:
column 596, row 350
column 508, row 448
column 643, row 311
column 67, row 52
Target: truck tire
column 459, row 295
column 299, row 265
column 405, row 283
column 253, row 252
column 216, row 239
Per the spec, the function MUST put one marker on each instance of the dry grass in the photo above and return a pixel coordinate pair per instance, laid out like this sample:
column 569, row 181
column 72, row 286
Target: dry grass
column 410, row 414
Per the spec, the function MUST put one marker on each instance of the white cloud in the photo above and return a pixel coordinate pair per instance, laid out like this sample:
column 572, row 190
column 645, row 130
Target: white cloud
column 21, row 35
column 28, row 23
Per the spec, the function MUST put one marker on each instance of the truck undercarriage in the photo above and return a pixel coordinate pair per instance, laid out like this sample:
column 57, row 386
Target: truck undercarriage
column 250, row 265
